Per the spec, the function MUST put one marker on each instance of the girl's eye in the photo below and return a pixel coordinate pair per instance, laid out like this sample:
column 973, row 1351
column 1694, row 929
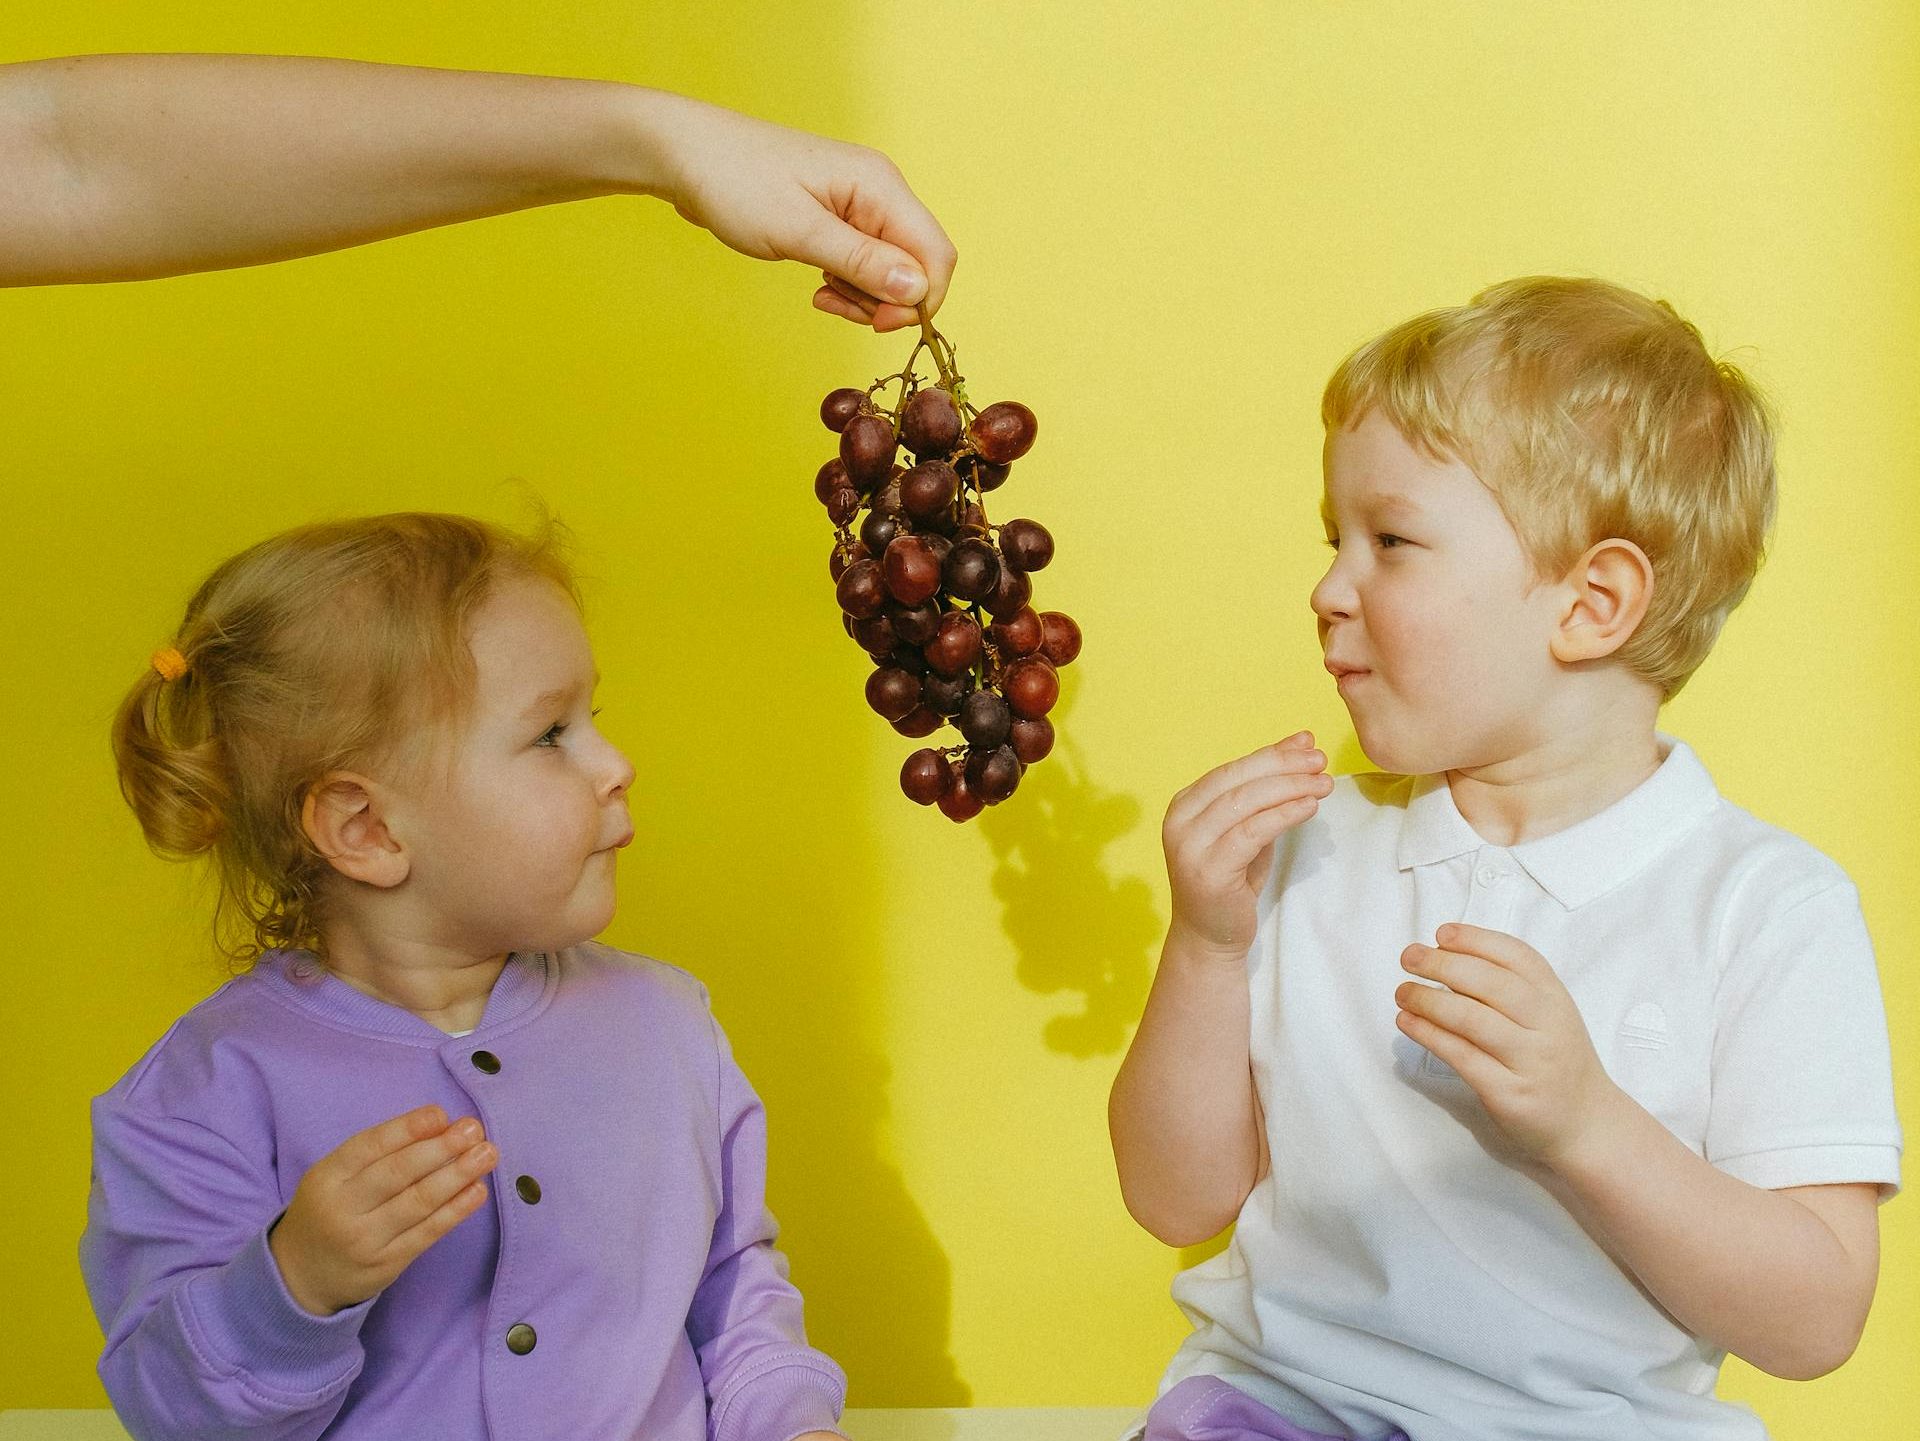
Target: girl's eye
column 558, row 729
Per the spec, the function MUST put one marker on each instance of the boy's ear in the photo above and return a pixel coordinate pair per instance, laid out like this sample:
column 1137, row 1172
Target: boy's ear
column 342, row 816
column 1608, row 592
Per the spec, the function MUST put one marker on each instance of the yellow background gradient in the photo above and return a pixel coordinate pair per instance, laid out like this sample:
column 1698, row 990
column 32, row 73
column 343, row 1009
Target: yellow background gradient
column 1173, row 222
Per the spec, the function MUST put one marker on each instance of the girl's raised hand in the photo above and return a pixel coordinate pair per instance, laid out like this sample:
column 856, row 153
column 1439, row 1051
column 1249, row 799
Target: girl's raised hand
column 1219, row 835
column 367, row 1208
column 780, row 194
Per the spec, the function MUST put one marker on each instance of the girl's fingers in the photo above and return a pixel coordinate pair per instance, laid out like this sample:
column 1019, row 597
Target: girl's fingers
column 849, row 292
column 408, row 1245
column 431, row 1193
column 393, row 1173
column 363, row 1149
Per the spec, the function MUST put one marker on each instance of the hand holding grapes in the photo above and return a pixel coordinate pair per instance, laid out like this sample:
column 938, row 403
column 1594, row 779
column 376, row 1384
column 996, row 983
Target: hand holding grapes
column 780, row 194
column 366, row 1209
column 1219, row 835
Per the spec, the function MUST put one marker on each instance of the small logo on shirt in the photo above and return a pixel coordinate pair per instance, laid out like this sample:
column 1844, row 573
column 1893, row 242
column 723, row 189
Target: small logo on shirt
column 1645, row 1027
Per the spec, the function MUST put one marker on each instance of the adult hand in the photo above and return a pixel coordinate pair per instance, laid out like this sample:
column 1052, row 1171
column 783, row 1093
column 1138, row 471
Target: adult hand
column 366, row 1209
column 780, row 194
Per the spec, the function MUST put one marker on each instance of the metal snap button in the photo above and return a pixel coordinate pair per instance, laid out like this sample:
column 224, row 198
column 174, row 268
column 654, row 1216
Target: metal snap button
column 521, row 1339
column 486, row 1061
column 529, row 1190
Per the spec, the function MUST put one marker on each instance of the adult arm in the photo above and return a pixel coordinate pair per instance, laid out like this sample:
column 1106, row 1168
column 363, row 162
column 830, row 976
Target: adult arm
column 127, row 167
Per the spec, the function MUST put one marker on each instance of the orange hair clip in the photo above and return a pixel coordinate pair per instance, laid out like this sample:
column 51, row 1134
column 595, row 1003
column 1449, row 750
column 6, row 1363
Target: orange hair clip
column 170, row 663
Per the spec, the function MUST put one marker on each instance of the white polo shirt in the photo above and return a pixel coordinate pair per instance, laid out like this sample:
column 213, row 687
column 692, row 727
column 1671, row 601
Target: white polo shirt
column 1402, row 1266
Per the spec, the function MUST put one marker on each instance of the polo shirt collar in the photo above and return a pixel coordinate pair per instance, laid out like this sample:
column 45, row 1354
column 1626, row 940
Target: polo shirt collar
column 1587, row 859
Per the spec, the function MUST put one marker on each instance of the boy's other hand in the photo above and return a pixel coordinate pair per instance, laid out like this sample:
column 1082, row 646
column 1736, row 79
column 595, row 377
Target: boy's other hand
column 780, row 194
column 1219, row 835
column 364, row 1210
column 1508, row 1026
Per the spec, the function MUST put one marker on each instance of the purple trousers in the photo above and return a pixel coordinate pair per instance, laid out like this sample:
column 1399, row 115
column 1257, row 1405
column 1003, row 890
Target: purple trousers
column 1205, row 1408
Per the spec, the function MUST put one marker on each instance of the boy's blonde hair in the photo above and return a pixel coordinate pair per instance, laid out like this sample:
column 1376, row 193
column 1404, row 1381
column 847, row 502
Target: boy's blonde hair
column 337, row 645
column 1591, row 412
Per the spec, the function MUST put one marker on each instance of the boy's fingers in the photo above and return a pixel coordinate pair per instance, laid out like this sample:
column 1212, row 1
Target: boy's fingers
column 1284, row 756
column 1250, row 798
column 1237, row 849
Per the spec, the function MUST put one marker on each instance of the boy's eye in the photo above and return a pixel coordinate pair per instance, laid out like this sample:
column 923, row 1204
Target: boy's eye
column 1388, row 542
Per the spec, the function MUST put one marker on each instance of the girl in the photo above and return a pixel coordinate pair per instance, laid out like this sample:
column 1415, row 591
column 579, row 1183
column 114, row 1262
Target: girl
column 381, row 732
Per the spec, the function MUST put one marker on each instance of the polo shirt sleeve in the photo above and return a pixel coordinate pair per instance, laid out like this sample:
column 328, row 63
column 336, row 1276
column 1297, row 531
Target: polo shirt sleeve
column 202, row 1337
column 764, row 1383
column 1802, row 1070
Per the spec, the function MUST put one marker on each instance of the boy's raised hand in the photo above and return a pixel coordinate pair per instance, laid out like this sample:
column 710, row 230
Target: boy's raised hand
column 1509, row 1027
column 368, row 1207
column 1219, row 835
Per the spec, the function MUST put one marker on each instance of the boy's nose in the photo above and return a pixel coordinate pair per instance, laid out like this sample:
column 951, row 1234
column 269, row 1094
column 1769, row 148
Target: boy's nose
column 1331, row 600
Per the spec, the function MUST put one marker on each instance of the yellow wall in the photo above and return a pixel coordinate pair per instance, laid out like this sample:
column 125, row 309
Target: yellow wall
column 1170, row 229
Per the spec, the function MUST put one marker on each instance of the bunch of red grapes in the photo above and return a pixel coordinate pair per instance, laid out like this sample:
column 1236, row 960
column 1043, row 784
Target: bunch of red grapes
column 938, row 596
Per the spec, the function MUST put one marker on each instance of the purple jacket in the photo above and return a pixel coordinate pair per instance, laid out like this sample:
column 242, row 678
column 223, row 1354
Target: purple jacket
column 641, row 1266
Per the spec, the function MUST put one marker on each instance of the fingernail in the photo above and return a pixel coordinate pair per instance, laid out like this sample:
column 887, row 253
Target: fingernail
column 905, row 285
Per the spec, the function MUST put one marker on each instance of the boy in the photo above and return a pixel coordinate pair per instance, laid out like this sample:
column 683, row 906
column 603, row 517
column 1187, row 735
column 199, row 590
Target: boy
column 1536, row 1075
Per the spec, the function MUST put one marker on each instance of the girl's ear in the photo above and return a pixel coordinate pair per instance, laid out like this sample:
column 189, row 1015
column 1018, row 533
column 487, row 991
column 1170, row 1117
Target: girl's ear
column 342, row 816
column 1608, row 592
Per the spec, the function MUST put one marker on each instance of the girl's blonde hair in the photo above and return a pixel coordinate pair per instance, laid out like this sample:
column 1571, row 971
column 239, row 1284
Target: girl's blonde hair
column 1591, row 412
column 337, row 645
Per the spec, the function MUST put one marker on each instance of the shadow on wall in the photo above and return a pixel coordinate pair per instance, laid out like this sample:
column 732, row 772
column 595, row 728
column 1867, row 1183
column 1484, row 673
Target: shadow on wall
column 1076, row 926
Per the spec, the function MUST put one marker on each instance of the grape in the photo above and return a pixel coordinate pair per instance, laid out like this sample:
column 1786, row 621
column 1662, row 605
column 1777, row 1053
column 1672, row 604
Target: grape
column 908, row 658
column 960, row 803
column 877, row 532
column 866, row 447
column 915, row 624
column 1019, row 633
column 843, row 505
column 920, row 721
column 984, row 719
column 831, row 477
column 1027, row 544
column 993, row 774
column 930, row 424
column 840, row 406
column 972, row 569
column 862, row 589
column 913, row 574
column 893, row 692
column 938, row 598
column 876, row 636
column 886, row 500
column 1062, row 638
column 925, row 777
column 1004, row 432
column 843, row 556
column 957, row 645
column 986, row 476
column 947, row 693
column 1032, row 739
column 1032, row 686
column 1011, row 592
column 928, row 489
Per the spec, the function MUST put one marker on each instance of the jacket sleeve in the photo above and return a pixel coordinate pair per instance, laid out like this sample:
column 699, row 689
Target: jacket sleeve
column 764, row 1383
column 202, row 1337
